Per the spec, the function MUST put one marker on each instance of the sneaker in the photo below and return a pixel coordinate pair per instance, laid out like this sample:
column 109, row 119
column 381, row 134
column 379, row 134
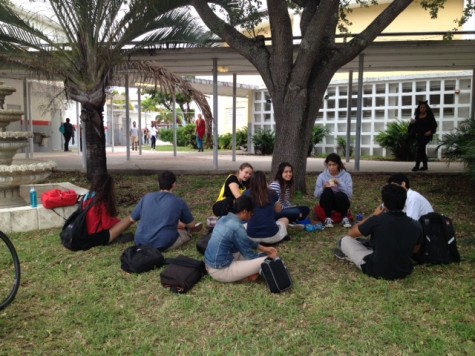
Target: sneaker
column 423, row 169
column 340, row 255
column 415, row 169
column 328, row 222
column 346, row 222
column 297, row 226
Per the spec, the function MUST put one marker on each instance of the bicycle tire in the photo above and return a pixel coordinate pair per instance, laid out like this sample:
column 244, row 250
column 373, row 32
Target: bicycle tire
column 16, row 263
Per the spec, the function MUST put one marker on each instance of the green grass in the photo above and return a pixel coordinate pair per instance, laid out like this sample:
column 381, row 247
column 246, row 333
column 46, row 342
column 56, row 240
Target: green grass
column 83, row 303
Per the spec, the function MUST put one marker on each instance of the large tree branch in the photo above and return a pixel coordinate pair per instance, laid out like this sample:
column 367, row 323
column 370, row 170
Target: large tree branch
column 281, row 34
column 316, row 31
column 347, row 52
column 253, row 49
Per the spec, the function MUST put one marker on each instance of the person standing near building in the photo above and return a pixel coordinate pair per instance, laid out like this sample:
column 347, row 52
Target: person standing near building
column 134, row 136
column 200, row 132
column 153, row 136
column 67, row 130
column 424, row 126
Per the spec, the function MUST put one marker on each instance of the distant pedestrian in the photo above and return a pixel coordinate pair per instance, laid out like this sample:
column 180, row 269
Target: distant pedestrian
column 153, row 136
column 134, row 136
column 68, row 131
column 200, row 132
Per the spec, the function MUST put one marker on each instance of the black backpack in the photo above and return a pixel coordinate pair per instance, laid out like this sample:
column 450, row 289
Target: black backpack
column 75, row 228
column 439, row 245
column 182, row 273
column 139, row 259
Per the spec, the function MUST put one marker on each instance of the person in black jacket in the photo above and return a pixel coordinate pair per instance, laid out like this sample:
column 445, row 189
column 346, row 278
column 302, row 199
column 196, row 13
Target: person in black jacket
column 424, row 127
column 67, row 131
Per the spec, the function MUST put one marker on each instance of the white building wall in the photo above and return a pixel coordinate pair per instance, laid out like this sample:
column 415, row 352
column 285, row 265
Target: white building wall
column 384, row 101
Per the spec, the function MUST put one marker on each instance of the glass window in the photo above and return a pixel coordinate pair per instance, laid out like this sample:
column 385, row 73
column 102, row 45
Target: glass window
column 380, row 101
column 342, row 103
column 268, row 105
column 406, row 87
column 257, row 107
column 434, row 99
column 380, row 88
column 406, row 113
column 367, row 89
column 448, row 112
column 257, row 117
column 435, row 85
column 331, row 103
column 257, row 95
column 406, row 100
column 449, row 85
column 420, row 86
column 393, row 88
column 343, row 90
column 449, row 98
column 331, row 91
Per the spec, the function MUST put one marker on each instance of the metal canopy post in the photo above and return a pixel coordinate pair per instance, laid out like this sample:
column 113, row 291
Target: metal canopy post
column 139, row 102
column 234, row 115
column 215, row 113
column 359, row 105
column 127, row 117
column 174, row 121
column 348, row 115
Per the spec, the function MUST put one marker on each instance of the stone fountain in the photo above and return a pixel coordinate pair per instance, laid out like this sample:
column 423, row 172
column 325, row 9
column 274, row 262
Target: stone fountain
column 15, row 173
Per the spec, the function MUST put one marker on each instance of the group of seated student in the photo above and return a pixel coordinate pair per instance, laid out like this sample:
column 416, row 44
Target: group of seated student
column 165, row 221
column 254, row 218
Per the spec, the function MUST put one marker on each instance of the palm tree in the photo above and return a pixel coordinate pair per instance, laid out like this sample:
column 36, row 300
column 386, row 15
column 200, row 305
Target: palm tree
column 87, row 46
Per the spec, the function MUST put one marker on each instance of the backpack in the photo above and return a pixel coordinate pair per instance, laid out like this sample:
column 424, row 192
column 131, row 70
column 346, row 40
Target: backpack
column 439, row 245
column 75, row 228
column 139, row 259
column 202, row 243
column 56, row 198
column 182, row 274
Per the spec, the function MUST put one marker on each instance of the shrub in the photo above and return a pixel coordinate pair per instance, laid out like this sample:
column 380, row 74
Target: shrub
column 397, row 140
column 226, row 140
column 341, row 146
column 318, row 133
column 460, row 144
column 185, row 136
column 263, row 141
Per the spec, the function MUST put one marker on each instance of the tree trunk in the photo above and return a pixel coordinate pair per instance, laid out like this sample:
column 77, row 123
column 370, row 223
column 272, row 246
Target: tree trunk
column 96, row 161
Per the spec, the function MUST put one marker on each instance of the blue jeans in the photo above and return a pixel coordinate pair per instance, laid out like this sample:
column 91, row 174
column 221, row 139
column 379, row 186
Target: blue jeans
column 199, row 142
column 294, row 213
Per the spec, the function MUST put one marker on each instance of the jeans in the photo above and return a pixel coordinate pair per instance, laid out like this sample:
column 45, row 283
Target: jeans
column 294, row 213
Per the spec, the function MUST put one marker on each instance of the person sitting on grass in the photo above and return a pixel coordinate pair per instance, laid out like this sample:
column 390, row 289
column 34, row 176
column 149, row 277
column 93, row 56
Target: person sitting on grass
column 233, row 187
column 263, row 227
column 334, row 189
column 165, row 220
column 230, row 255
column 395, row 237
column 283, row 186
column 103, row 225
column 416, row 204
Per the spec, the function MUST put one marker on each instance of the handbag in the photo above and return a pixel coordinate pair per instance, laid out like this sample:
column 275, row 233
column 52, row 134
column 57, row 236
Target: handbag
column 57, row 198
column 182, row 274
column 139, row 259
column 202, row 243
column 276, row 275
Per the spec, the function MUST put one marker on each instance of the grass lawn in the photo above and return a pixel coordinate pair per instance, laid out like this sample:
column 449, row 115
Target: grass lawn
column 83, row 303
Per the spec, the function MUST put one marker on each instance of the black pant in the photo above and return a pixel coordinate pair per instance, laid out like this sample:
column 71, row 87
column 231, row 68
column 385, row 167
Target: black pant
column 421, row 155
column 222, row 207
column 97, row 239
column 67, row 138
column 337, row 201
column 152, row 143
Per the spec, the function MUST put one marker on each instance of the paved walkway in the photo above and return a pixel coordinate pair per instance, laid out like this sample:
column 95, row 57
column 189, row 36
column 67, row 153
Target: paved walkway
column 202, row 162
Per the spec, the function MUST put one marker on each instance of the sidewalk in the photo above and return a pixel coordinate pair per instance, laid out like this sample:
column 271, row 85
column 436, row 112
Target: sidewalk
column 202, row 162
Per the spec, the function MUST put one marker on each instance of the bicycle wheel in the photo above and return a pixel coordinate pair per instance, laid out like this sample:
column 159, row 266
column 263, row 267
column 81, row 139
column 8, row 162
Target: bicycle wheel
column 9, row 271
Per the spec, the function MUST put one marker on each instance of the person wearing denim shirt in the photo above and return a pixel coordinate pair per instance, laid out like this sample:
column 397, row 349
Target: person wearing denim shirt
column 231, row 256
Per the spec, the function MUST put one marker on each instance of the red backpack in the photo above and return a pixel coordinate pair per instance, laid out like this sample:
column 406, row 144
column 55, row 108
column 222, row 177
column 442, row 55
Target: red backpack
column 336, row 216
column 57, row 198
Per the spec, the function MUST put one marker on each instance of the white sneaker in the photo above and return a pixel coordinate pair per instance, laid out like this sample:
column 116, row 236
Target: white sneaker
column 346, row 222
column 328, row 222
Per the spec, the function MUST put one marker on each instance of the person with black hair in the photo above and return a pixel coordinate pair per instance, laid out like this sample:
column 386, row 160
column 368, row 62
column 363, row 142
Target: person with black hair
column 283, row 185
column 103, row 225
column 334, row 189
column 424, row 127
column 67, row 129
column 263, row 227
column 230, row 255
column 416, row 204
column 166, row 221
column 394, row 238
